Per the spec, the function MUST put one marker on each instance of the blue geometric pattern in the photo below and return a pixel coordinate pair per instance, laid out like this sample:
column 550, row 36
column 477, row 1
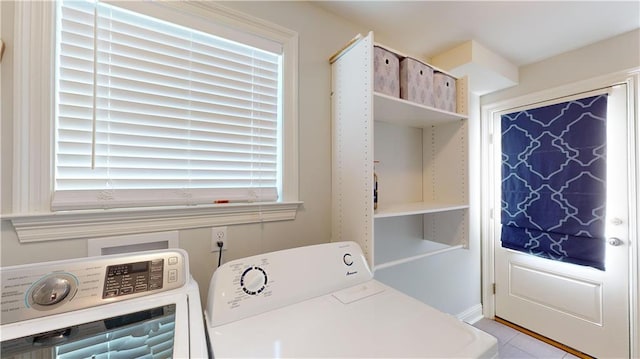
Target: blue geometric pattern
column 553, row 181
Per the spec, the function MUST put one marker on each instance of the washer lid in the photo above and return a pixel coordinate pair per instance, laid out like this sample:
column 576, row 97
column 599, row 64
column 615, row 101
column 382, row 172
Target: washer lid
column 376, row 321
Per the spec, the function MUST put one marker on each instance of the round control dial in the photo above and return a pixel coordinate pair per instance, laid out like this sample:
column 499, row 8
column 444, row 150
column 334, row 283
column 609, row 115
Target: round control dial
column 253, row 280
column 51, row 290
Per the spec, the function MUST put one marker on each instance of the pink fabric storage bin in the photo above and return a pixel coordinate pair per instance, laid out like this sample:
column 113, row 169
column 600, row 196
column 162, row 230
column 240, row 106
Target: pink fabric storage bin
column 444, row 89
column 386, row 75
column 416, row 81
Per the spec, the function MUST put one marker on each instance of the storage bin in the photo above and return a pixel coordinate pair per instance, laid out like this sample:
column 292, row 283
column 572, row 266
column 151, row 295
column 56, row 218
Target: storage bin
column 416, row 81
column 386, row 73
column 444, row 90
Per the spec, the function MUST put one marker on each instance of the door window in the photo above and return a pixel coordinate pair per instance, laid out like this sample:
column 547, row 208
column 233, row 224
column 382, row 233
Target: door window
column 553, row 181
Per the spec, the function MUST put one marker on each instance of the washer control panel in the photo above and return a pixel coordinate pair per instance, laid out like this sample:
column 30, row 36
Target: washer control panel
column 38, row 290
column 252, row 285
column 128, row 278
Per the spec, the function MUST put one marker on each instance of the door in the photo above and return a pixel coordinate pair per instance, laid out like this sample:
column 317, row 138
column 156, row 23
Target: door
column 580, row 306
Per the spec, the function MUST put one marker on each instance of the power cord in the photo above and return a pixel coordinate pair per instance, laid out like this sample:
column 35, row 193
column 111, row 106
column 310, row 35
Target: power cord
column 220, row 244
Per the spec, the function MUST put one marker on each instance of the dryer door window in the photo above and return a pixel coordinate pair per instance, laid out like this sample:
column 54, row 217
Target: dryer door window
column 145, row 334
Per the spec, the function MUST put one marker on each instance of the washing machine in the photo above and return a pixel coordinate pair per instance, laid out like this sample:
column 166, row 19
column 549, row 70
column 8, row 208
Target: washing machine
column 322, row 301
column 136, row 305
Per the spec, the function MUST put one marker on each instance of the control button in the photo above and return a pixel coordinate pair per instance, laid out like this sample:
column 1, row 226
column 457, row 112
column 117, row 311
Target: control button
column 347, row 259
column 173, row 260
column 51, row 291
column 126, row 290
column 173, row 275
column 153, row 286
column 111, row 293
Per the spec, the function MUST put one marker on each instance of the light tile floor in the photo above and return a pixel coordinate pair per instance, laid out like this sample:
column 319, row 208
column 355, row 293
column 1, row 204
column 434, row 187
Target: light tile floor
column 514, row 344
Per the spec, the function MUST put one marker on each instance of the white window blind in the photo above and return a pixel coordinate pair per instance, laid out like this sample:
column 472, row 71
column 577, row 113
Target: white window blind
column 151, row 113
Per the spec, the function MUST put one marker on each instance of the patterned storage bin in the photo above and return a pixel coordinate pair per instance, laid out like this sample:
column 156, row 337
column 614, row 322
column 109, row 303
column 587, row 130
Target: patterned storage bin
column 386, row 76
column 444, row 89
column 416, row 81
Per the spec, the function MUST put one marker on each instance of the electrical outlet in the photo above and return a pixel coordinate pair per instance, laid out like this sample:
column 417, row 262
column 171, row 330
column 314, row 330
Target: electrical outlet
column 219, row 234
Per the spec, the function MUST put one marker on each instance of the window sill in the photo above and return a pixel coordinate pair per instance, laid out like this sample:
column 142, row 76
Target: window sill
column 113, row 222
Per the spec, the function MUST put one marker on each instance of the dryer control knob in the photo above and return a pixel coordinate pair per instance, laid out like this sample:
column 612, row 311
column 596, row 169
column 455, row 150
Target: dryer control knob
column 253, row 280
column 51, row 291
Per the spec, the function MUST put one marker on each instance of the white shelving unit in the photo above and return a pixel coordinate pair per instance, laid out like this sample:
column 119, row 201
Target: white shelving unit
column 422, row 170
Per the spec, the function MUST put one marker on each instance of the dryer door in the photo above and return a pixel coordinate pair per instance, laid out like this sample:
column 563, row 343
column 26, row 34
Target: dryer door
column 146, row 333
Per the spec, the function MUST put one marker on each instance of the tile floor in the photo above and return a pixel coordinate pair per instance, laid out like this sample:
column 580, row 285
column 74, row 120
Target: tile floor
column 514, row 344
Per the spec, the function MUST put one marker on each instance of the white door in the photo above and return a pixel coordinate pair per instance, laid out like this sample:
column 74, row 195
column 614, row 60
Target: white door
column 582, row 307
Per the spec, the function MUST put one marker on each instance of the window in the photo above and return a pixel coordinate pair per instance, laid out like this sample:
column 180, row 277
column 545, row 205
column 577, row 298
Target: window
column 157, row 105
column 553, row 192
column 153, row 113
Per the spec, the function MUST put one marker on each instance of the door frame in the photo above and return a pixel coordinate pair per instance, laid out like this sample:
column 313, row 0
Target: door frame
column 632, row 79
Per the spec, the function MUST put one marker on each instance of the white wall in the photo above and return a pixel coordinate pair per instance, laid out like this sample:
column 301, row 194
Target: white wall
column 320, row 35
column 616, row 54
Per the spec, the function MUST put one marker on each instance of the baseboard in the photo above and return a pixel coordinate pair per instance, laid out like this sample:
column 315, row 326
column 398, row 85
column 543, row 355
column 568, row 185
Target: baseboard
column 471, row 315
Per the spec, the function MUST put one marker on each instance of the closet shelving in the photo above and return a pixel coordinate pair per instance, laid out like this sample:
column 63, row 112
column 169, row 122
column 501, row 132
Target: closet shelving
column 413, row 208
column 396, row 110
column 422, row 170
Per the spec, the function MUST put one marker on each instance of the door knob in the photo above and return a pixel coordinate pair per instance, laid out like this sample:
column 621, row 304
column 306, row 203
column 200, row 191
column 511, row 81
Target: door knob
column 615, row 241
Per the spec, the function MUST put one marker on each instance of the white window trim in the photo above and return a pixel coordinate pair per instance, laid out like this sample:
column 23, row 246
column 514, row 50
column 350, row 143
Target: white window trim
column 33, row 139
column 115, row 222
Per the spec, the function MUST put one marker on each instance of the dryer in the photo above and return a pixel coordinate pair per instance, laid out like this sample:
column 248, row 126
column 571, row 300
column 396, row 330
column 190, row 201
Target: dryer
column 322, row 301
column 135, row 305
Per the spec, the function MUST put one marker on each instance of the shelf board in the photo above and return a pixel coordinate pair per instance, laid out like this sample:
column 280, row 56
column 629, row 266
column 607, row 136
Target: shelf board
column 402, row 112
column 408, row 209
column 415, row 258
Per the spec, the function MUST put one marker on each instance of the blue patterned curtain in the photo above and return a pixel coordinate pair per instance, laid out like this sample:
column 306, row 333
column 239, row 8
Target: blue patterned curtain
column 553, row 181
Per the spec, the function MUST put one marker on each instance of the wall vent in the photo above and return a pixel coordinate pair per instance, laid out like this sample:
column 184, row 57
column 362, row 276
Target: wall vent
column 132, row 243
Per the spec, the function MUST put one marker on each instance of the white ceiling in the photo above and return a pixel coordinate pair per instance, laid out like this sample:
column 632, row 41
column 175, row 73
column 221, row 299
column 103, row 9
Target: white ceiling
column 521, row 32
